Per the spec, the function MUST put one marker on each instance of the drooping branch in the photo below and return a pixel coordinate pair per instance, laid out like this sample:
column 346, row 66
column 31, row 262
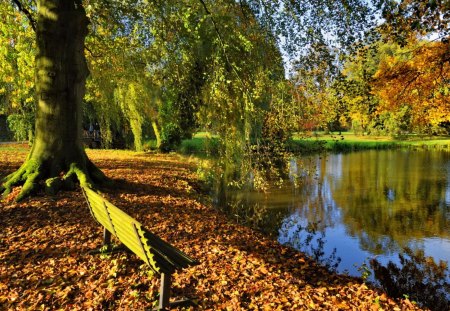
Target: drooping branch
column 222, row 44
column 92, row 53
column 27, row 13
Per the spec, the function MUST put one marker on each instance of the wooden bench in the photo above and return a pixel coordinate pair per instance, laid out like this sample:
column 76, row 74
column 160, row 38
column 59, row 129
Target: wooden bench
column 163, row 258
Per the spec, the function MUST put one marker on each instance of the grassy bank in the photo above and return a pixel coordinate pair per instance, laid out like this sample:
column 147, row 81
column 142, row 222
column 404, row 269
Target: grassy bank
column 202, row 144
column 46, row 263
column 347, row 141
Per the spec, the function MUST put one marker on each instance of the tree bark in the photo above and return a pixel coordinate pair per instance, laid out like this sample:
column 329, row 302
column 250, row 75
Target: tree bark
column 61, row 73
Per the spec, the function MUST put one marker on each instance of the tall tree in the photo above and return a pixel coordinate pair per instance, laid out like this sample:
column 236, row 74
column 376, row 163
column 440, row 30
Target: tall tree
column 61, row 71
column 417, row 79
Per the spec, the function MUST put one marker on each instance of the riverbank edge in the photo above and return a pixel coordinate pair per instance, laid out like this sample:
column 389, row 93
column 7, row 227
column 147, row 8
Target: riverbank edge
column 342, row 146
column 202, row 147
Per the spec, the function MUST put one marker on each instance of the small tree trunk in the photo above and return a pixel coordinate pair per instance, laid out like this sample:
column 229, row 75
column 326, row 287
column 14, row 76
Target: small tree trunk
column 61, row 73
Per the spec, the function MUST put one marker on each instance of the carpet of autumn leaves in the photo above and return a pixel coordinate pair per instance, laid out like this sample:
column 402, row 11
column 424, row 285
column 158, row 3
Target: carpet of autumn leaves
column 46, row 263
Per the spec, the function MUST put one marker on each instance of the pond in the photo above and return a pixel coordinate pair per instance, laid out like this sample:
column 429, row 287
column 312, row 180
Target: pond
column 359, row 206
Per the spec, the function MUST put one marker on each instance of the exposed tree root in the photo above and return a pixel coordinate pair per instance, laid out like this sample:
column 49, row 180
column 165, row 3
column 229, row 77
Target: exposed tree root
column 26, row 175
column 35, row 175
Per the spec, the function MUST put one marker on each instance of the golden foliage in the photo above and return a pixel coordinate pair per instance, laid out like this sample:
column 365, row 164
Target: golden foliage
column 419, row 79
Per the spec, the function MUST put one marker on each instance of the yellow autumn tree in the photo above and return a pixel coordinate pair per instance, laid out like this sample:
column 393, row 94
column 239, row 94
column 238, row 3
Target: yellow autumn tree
column 417, row 78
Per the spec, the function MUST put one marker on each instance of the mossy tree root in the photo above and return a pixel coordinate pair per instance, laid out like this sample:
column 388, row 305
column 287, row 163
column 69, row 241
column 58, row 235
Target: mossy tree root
column 27, row 174
column 33, row 175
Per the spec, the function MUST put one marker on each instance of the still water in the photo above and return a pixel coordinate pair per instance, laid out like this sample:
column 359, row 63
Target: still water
column 363, row 205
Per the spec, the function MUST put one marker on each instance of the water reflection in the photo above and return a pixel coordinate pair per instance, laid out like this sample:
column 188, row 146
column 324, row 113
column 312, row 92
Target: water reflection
column 378, row 202
column 393, row 199
column 371, row 203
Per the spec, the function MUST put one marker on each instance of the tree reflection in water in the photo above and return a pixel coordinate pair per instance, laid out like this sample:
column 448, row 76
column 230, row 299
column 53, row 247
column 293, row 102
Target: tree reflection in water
column 366, row 204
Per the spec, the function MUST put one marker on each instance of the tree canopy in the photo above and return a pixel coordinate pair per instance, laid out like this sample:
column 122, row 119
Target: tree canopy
column 252, row 72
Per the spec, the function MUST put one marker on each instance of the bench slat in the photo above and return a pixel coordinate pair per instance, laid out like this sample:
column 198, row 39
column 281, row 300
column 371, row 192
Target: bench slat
column 123, row 224
column 99, row 212
column 129, row 239
column 97, row 204
column 165, row 263
column 180, row 259
column 119, row 214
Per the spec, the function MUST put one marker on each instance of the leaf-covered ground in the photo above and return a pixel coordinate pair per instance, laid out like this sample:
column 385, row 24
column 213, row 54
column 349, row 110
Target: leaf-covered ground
column 46, row 264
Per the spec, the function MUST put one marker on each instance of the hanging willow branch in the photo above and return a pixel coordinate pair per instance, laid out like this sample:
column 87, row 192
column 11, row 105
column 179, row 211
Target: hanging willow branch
column 224, row 50
column 27, row 13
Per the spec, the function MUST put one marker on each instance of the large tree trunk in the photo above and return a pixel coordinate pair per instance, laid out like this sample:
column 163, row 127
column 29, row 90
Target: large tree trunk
column 61, row 73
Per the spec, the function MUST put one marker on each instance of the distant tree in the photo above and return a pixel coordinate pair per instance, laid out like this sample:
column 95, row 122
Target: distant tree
column 316, row 82
column 17, row 47
column 417, row 78
column 406, row 22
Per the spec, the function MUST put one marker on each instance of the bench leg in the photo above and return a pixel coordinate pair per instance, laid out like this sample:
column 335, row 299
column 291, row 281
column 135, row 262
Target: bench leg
column 164, row 291
column 106, row 237
column 164, row 295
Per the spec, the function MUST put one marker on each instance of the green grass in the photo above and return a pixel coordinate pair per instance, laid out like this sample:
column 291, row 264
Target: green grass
column 204, row 143
column 199, row 145
column 348, row 141
column 14, row 147
column 149, row 144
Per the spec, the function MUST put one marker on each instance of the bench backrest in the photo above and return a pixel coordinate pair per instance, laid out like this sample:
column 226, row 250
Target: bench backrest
column 158, row 254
